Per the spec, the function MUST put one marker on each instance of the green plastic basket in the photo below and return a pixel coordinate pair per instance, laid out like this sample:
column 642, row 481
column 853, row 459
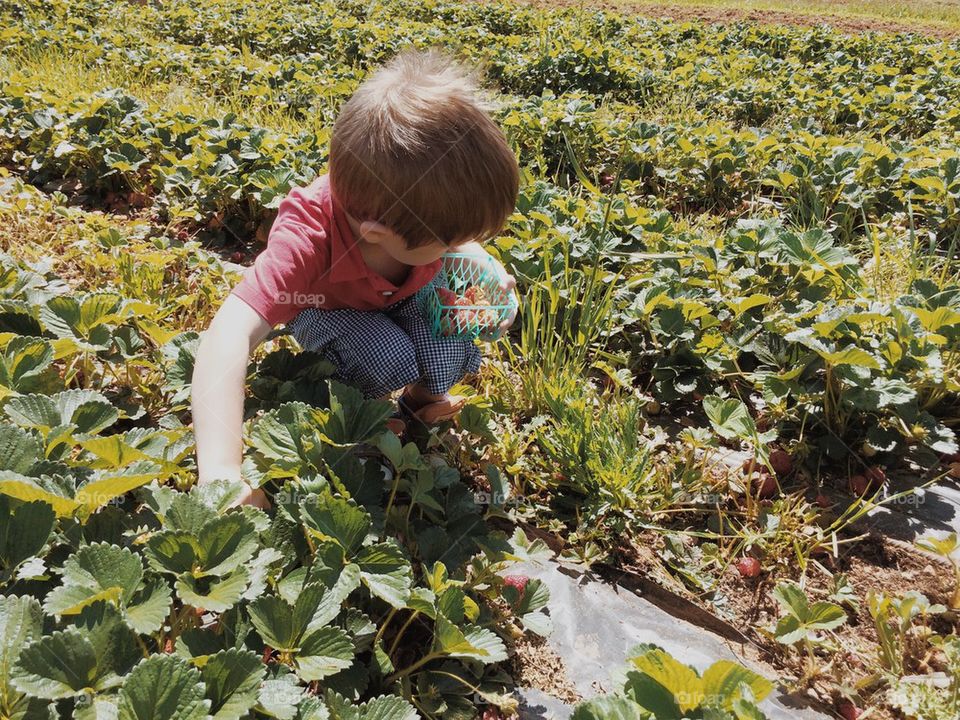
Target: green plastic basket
column 467, row 321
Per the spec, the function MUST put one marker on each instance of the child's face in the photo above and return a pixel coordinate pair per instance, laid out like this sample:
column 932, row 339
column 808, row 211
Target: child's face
column 396, row 247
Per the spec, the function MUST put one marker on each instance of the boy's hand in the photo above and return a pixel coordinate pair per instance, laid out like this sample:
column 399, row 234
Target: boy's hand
column 508, row 284
column 252, row 496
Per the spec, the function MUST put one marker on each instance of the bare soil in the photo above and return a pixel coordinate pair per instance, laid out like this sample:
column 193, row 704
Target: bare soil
column 875, row 563
column 726, row 16
column 535, row 665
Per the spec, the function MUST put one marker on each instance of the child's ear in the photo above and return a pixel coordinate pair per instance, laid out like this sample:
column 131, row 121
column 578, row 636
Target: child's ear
column 374, row 232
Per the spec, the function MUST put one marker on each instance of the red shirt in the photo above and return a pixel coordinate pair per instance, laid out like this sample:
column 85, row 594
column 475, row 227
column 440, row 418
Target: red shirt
column 312, row 260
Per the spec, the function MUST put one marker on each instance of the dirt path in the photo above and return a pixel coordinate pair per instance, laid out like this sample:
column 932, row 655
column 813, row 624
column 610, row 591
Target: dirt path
column 721, row 16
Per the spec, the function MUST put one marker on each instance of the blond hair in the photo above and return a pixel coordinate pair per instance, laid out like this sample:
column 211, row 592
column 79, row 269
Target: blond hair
column 416, row 150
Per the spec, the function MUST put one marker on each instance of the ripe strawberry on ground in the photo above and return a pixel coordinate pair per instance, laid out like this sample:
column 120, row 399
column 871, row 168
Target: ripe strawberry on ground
column 781, row 461
column 767, row 485
column 859, row 485
column 748, row 567
column 848, row 710
column 876, row 475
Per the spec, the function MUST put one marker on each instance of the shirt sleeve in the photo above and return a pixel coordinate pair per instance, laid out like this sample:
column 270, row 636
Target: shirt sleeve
column 277, row 285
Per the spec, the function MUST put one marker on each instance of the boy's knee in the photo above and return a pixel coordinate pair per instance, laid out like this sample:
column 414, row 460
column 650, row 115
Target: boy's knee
column 387, row 367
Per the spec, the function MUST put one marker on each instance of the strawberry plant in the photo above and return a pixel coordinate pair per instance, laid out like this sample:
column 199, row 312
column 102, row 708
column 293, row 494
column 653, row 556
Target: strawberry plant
column 660, row 686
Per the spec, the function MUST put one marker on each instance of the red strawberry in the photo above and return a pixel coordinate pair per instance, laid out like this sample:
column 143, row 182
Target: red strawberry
column 859, row 485
column 768, row 485
column 491, row 713
column 516, row 581
column 876, row 475
column 749, row 567
column 781, row 462
column 823, row 500
column 447, row 296
column 237, row 257
column 848, row 710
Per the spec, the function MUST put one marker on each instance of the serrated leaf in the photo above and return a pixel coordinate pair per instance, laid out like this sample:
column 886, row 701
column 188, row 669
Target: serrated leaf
column 386, row 572
column 729, row 418
column 163, row 687
column 21, row 622
column 20, row 449
column 278, row 696
column 23, row 530
column 323, row 652
column 388, row 707
column 111, row 484
column 232, row 679
column 331, row 518
column 94, row 572
column 850, row 356
column 212, row 592
column 722, row 680
column 149, row 607
column 608, row 707
column 226, row 543
column 172, row 551
column 680, row 680
column 60, row 665
column 471, row 642
column 352, row 418
column 29, row 490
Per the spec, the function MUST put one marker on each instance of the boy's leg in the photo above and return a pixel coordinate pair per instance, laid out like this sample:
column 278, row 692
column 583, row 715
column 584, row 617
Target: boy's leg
column 442, row 361
column 370, row 351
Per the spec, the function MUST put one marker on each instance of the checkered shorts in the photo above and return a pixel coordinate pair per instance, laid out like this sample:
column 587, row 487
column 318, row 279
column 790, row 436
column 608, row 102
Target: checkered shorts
column 379, row 351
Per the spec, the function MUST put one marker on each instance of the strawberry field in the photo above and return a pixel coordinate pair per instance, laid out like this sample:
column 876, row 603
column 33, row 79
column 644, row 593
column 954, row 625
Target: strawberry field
column 736, row 363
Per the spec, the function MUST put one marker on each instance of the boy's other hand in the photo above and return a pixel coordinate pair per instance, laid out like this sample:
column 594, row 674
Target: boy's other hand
column 508, row 284
column 252, row 496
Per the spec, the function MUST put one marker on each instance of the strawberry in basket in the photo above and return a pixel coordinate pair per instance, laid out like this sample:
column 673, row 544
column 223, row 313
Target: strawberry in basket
column 472, row 314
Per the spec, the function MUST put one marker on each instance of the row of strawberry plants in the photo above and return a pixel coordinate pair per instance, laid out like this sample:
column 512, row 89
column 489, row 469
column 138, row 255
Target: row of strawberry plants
column 819, row 79
column 842, row 356
column 205, row 169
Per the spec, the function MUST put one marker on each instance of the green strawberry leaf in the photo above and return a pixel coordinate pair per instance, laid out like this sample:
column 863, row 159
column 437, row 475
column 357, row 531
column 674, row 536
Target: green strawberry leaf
column 232, row 679
column 386, row 572
column 163, row 687
column 323, row 652
column 342, row 521
column 59, row 665
column 218, row 594
column 98, row 571
column 24, row 531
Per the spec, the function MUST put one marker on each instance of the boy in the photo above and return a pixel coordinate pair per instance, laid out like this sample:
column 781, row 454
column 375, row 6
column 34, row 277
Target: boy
column 417, row 168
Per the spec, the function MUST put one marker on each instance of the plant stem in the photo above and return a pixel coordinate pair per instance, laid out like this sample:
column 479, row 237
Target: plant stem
column 415, row 666
column 403, row 628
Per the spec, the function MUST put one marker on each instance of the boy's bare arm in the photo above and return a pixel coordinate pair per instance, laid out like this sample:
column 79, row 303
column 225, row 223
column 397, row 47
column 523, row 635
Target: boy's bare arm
column 219, row 377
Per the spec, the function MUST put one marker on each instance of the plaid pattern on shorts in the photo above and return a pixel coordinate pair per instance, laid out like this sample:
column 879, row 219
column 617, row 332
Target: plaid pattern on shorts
column 379, row 351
